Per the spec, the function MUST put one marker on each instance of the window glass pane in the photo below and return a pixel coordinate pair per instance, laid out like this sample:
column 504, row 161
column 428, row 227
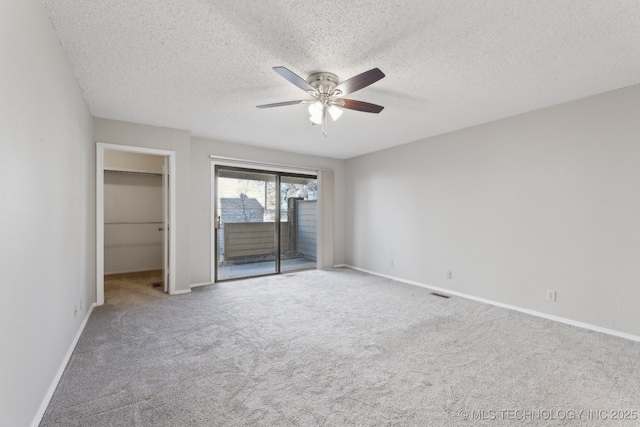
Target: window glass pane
column 246, row 235
column 298, row 223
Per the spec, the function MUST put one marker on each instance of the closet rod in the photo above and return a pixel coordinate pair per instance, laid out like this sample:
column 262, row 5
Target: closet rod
column 121, row 223
column 133, row 172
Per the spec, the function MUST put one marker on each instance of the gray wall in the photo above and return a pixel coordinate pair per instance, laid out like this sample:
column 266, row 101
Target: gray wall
column 193, row 175
column 133, row 162
column 546, row 200
column 47, row 215
column 133, row 217
column 124, row 133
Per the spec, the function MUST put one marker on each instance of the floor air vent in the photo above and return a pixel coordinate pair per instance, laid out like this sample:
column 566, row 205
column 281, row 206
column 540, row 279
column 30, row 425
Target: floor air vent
column 440, row 295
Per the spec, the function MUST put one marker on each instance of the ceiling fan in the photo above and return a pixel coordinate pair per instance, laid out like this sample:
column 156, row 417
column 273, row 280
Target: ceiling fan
column 326, row 90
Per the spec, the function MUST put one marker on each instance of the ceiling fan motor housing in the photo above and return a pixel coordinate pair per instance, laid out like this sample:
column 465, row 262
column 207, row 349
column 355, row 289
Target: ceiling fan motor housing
column 323, row 82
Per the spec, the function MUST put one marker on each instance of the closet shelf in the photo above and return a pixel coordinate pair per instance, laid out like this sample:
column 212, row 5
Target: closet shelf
column 128, row 223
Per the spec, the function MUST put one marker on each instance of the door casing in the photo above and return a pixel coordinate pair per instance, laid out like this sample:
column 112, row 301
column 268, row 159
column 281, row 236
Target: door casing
column 170, row 245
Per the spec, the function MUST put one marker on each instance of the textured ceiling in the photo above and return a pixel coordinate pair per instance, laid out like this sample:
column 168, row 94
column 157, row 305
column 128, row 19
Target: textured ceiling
column 203, row 65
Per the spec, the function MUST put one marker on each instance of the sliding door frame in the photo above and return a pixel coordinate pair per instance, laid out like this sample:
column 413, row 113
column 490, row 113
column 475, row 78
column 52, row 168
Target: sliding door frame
column 278, row 173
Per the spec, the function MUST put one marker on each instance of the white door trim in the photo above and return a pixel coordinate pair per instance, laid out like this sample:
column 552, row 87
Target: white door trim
column 213, row 257
column 171, row 155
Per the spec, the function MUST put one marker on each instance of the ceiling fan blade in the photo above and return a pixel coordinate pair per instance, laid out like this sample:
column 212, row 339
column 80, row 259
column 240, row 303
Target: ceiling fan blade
column 352, row 104
column 279, row 104
column 294, row 78
column 360, row 81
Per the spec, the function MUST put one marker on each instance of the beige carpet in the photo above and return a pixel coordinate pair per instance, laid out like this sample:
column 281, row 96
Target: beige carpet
column 336, row 348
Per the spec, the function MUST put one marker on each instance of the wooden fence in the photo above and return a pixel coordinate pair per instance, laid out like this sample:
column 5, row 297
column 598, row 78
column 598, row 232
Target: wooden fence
column 243, row 239
column 307, row 242
column 246, row 239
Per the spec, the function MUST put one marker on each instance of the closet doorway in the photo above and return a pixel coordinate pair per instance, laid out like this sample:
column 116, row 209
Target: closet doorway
column 134, row 207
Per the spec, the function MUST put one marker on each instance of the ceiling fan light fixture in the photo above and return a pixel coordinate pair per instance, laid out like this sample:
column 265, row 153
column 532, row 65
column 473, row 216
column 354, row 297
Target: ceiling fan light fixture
column 315, row 110
column 335, row 112
column 316, row 119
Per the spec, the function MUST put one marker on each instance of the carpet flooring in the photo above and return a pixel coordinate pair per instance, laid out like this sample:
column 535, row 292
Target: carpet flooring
column 336, row 348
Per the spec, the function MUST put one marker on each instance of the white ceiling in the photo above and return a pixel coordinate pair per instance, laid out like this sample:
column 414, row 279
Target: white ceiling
column 203, row 65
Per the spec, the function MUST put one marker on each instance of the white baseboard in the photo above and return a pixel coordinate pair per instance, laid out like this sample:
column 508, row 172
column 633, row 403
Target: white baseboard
column 197, row 285
column 181, row 291
column 507, row 306
column 47, row 398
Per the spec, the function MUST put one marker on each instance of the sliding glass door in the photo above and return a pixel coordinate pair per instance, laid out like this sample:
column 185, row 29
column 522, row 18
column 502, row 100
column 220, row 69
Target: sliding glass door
column 265, row 222
column 298, row 223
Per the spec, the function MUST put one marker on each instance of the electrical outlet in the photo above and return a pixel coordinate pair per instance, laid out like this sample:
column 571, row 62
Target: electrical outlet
column 391, row 263
column 551, row 295
column 448, row 275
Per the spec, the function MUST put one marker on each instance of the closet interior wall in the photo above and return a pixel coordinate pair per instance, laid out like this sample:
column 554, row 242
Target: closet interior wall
column 133, row 215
